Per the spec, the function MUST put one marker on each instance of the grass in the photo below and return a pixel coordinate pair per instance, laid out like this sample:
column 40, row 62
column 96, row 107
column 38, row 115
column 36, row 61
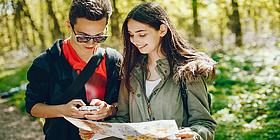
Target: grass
column 12, row 78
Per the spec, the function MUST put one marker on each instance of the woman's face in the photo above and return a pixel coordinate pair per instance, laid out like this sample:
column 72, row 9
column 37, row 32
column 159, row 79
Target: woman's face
column 144, row 37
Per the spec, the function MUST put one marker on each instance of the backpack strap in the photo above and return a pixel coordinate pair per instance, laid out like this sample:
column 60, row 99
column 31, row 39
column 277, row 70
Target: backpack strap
column 52, row 56
column 184, row 96
column 113, row 59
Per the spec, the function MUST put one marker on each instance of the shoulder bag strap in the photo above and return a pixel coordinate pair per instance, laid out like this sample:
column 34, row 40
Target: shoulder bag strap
column 85, row 74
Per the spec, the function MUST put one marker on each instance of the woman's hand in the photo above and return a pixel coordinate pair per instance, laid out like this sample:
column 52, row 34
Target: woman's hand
column 105, row 110
column 187, row 134
column 86, row 135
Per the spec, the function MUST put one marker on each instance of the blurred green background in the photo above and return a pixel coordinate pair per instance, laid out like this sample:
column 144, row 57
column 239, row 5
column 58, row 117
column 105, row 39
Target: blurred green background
column 241, row 35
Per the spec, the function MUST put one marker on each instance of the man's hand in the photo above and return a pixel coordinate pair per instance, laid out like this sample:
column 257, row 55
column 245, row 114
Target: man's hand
column 105, row 110
column 70, row 109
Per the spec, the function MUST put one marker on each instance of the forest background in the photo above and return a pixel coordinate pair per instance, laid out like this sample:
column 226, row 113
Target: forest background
column 241, row 35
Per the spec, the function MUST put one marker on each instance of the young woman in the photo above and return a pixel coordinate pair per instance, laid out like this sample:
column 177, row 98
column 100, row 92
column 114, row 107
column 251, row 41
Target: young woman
column 155, row 59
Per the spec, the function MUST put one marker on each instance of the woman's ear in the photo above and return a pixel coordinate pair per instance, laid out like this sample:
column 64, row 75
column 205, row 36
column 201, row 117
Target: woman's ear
column 163, row 30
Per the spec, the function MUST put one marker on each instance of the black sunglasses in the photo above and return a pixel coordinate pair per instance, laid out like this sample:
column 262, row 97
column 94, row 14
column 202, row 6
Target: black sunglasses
column 87, row 38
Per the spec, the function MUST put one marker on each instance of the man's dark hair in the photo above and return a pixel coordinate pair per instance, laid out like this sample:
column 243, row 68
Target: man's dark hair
column 89, row 9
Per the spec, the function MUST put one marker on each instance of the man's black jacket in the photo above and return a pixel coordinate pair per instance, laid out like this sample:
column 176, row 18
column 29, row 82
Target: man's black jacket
column 50, row 75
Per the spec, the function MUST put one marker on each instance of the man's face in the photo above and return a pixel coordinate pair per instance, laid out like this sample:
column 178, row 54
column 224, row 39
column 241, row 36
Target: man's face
column 86, row 34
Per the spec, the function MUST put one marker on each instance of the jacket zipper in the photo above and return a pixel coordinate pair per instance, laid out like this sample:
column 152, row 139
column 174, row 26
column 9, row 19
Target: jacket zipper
column 148, row 100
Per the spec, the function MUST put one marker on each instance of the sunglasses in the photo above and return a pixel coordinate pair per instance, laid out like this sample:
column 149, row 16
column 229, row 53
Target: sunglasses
column 87, row 38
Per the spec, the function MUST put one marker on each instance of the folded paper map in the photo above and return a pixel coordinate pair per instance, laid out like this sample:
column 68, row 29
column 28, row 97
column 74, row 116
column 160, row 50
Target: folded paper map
column 153, row 129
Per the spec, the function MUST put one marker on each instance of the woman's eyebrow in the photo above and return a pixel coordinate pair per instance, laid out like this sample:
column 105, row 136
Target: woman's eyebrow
column 138, row 31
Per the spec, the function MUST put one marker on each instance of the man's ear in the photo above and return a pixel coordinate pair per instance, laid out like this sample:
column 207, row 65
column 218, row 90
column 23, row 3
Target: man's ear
column 68, row 25
column 163, row 30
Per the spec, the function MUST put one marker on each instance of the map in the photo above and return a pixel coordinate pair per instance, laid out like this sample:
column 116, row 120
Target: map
column 153, row 129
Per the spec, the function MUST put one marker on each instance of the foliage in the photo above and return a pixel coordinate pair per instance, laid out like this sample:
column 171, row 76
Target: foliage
column 32, row 26
column 246, row 91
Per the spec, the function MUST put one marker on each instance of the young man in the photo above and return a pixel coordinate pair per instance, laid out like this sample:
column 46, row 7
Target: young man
column 54, row 71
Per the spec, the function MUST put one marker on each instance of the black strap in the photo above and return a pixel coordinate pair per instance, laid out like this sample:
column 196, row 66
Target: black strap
column 184, row 96
column 85, row 74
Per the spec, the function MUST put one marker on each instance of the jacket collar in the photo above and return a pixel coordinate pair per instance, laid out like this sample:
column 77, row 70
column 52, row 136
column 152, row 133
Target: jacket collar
column 162, row 67
column 55, row 50
column 57, row 56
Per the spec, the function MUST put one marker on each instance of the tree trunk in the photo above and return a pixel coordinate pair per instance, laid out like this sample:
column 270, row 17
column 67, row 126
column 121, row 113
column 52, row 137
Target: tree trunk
column 9, row 31
column 17, row 24
column 43, row 21
column 115, row 21
column 25, row 36
column 196, row 26
column 221, row 32
column 27, row 14
column 56, row 32
column 255, row 18
column 234, row 23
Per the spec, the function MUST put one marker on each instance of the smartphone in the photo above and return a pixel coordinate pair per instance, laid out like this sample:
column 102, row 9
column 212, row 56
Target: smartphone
column 89, row 108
